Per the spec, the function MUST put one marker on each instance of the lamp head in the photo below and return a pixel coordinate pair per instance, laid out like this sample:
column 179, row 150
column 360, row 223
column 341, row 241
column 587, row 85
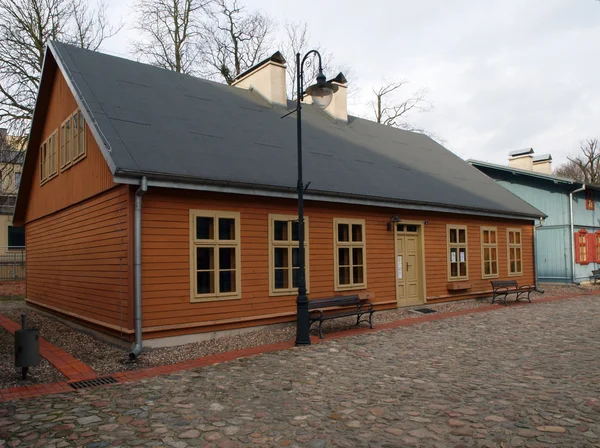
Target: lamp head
column 322, row 92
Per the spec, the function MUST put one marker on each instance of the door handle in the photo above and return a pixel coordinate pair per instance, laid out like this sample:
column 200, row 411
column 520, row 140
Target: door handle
column 407, row 265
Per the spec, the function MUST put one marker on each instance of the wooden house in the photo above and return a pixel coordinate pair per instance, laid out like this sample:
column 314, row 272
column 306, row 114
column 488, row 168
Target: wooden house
column 568, row 239
column 210, row 172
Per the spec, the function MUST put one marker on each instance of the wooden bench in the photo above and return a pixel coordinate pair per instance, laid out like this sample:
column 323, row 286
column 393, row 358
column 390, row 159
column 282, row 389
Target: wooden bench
column 595, row 276
column 507, row 287
column 342, row 306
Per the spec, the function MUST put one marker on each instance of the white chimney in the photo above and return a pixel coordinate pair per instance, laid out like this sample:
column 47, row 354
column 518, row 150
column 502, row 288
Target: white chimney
column 543, row 164
column 521, row 158
column 338, row 108
column 267, row 78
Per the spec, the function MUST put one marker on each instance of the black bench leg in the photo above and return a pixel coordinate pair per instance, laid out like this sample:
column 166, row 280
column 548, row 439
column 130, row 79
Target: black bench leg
column 493, row 298
column 358, row 316
column 321, row 330
column 371, row 319
column 528, row 294
column 506, row 299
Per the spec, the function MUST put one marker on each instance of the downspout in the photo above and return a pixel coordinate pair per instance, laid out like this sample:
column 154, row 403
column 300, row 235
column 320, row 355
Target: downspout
column 535, row 256
column 137, row 249
column 572, row 236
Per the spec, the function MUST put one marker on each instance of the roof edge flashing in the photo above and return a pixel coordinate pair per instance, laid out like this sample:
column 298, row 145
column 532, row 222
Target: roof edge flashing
column 130, row 178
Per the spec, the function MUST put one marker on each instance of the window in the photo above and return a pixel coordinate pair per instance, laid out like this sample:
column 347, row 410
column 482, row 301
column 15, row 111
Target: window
column 589, row 200
column 515, row 256
column 457, row 252
column 44, row 162
column 214, row 255
column 16, row 237
column 77, row 136
column 72, row 140
column 407, row 228
column 65, row 144
column 284, row 253
column 349, row 254
column 48, row 158
column 586, row 246
column 489, row 252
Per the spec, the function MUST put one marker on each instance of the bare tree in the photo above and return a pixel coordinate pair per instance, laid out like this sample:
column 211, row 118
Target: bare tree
column 569, row 170
column 26, row 26
column 390, row 112
column 297, row 40
column 90, row 27
column 170, row 33
column 586, row 166
column 234, row 39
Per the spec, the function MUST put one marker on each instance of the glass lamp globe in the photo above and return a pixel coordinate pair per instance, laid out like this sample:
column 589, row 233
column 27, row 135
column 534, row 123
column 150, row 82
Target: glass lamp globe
column 321, row 96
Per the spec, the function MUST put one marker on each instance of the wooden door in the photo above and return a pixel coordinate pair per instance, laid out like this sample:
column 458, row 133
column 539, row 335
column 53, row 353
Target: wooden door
column 408, row 269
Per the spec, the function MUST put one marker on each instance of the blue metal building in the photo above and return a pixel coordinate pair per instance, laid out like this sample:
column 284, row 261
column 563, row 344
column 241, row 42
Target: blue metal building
column 568, row 239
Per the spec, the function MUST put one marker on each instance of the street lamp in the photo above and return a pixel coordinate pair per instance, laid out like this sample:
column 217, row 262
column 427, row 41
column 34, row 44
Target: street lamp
column 322, row 94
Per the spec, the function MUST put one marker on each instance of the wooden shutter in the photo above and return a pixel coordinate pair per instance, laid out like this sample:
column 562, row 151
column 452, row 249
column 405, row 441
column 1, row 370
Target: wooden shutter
column 576, row 245
column 591, row 247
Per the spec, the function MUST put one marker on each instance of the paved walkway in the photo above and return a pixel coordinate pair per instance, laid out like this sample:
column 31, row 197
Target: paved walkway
column 70, row 367
column 523, row 376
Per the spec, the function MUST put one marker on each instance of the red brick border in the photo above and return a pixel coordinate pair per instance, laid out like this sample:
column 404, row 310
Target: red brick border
column 136, row 375
column 72, row 368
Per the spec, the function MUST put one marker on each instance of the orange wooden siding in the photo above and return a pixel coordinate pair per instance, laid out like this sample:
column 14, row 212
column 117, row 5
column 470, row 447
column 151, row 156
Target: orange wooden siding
column 78, row 260
column 83, row 180
column 166, row 272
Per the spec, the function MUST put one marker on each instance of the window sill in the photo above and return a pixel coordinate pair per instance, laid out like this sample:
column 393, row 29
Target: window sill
column 487, row 277
column 517, row 274
column 215, row 298
column 286, row 292
column 78, row 159
column 48, row 179
column 350, row 287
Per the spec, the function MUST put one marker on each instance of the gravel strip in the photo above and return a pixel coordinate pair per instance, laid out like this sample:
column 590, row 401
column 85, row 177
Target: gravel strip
column 106, row 358
column 10, row 376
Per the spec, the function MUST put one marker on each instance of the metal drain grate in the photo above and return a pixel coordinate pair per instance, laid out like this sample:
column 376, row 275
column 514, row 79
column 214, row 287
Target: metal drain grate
column 93, row 382
column 424, row 311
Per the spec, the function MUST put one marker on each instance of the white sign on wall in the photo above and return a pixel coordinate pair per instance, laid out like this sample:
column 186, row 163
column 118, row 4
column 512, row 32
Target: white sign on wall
column 400, row 266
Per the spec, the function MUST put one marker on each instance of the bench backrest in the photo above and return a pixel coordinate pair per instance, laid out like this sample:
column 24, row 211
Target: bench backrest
column 504, row 283
column 352, row 300
column 596, row 272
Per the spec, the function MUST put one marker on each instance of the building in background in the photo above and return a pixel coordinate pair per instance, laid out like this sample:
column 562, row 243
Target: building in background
column 568, row 240
column 12, row 155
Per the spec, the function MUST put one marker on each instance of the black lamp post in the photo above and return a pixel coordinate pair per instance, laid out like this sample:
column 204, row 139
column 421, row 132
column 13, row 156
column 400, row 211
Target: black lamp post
column 322, row 94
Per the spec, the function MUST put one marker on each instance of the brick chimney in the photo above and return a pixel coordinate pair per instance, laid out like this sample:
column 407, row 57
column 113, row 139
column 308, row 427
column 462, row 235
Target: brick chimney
column 521, row 158
column 542, row 164
column 338, row 108
column 267, row 78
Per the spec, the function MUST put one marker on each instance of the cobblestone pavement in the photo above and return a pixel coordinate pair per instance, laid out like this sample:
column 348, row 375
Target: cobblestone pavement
column 523, row 376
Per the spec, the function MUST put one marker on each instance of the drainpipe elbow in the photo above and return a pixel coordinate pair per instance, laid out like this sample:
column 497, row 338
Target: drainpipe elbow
column 137, row 350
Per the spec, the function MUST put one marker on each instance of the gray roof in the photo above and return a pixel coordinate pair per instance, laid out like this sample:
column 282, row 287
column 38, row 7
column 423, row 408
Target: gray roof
column 166, row 125
column 520, row 152
column 487, row 167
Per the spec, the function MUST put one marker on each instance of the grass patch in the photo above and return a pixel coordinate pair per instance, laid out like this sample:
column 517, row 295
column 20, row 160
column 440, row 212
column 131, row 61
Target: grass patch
column 12, row 298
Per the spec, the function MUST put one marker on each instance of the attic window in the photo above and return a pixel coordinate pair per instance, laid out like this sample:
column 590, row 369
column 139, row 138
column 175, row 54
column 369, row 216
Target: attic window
column 72, row 140
column 48, row 158
column 589, row 200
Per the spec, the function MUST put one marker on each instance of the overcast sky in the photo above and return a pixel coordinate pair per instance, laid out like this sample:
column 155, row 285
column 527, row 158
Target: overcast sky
column 502, row 74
